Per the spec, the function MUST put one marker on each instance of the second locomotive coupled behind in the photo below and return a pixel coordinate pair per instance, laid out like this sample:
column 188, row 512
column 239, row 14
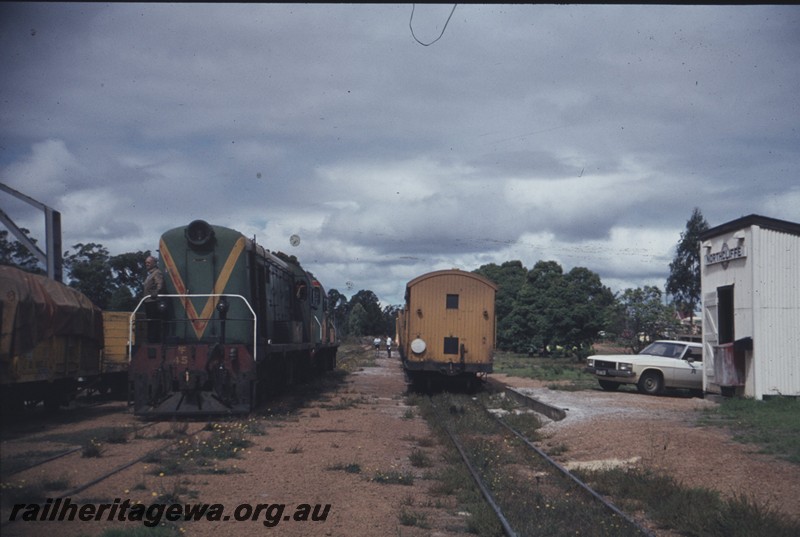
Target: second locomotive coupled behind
column 447, row 326
column 235, row 322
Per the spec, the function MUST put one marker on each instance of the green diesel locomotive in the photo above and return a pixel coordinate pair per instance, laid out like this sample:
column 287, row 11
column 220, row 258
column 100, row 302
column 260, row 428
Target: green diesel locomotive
column 234, row 323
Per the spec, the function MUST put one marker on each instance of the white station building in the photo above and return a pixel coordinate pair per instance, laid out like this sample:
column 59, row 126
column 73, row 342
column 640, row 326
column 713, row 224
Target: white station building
column 750, row 279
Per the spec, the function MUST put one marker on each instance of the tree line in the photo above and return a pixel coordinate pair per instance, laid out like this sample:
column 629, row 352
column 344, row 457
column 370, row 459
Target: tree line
column 541, row 310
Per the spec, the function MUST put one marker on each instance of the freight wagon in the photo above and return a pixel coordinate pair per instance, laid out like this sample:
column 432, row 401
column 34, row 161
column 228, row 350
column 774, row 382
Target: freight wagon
column 51, row 337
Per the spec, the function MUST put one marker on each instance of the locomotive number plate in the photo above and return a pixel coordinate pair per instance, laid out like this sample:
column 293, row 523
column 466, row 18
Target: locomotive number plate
column 182, row 355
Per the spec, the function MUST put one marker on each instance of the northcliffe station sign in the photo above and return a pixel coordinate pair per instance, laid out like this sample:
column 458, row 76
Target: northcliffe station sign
column 726, row 255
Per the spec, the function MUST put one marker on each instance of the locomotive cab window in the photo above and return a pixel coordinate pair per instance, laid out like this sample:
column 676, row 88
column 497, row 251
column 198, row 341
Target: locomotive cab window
column 451, row 345
column 315, row 297
column 452, row 302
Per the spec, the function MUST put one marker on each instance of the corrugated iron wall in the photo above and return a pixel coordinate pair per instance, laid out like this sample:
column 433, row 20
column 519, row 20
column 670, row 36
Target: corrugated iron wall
column 776, row 300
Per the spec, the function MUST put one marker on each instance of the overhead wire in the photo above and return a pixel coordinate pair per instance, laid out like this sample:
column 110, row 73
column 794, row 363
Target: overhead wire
column 411, row 26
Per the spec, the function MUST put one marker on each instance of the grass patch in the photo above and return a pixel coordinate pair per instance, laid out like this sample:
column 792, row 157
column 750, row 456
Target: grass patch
column 419, row 459
column 227, row 440
column 172, row 493
column 201, row 454
column 428, row 441
column 689, row 511
column 773, row 424
column 565, row 373
column 352, row 356
column 346, row 403
column 393, row 477
column 412, row 518
column 528, row 423
column 92, row 449
column 351, row 468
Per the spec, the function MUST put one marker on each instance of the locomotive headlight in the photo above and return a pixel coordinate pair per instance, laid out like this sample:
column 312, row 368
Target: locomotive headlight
column 162, row 305
column 199, row 233
column 418, row 346
column 222, row 306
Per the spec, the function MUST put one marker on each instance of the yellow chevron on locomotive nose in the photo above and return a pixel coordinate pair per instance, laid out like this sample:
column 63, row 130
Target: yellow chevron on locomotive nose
column 200, row 321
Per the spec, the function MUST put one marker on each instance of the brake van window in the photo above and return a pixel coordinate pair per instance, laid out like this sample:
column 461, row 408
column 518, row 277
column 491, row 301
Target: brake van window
column 451, row 345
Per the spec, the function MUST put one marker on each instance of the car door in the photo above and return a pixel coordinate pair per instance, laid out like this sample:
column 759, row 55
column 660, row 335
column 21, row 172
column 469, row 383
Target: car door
column 688, row 374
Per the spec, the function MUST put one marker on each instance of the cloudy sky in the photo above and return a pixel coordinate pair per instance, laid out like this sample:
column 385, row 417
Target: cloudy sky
column 582, row 134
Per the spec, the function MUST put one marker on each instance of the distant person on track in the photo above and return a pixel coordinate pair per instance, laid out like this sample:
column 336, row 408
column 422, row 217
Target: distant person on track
column 153, row 286
column 388, row 346
column 377, row 343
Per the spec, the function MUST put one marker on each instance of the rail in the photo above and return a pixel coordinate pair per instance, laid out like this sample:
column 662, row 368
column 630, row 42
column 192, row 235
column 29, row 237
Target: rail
column 586, row 488
column 487, row 495
column 604, row 506
column 132, row 319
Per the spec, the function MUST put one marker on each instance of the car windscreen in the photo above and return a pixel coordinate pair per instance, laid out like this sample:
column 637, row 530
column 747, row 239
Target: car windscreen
column 662, row 348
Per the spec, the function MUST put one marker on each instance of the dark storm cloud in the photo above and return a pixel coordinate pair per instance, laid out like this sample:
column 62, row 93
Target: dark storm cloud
column 585, row 134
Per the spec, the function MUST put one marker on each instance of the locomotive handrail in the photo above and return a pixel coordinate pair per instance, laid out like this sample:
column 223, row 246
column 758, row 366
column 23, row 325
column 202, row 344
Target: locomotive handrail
column 142, row 301
column 320, row 327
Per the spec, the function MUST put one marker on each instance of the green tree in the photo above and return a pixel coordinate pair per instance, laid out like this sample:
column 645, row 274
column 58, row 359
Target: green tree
column 645, row 317
column 129, row 274
column 373, row 322
column 390, row 319
column 90, row 272
column 509, row 278
column 683, row 282
column 357, row 321
column 551, row 309
column 14, row 253
column 337, row 304
column 587, row 302
column 532, row 325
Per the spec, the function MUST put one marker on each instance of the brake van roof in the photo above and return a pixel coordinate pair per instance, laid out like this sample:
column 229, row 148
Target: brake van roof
column 451, row 272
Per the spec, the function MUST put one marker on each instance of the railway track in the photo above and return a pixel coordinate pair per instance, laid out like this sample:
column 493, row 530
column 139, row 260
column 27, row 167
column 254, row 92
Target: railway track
column 134, row 460
column 529, row 492
column 62, row 454
column 45, row 460
column 132, row 452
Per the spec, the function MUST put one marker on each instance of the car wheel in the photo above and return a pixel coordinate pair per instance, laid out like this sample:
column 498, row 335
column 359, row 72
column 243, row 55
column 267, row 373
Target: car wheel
column 609, row 386
column 651, row 383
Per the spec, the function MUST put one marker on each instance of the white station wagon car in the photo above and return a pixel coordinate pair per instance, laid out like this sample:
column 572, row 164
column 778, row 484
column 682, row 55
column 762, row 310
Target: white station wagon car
column 662, row 364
